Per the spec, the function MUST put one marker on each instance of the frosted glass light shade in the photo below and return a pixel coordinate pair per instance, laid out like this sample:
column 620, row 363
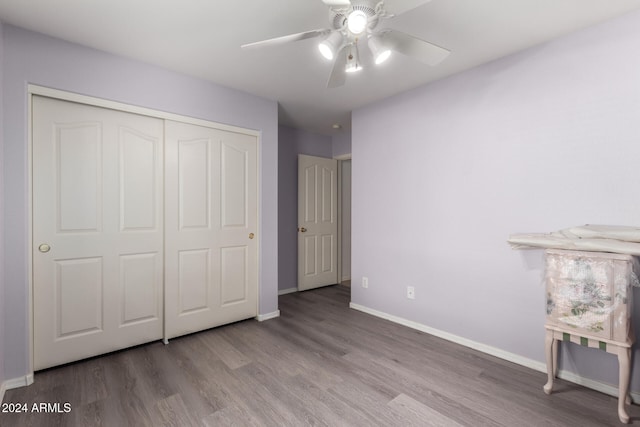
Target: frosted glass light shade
column 357, row 22
column 329, row 46
column 380, row 52
column 325, row 50
column 353, row 68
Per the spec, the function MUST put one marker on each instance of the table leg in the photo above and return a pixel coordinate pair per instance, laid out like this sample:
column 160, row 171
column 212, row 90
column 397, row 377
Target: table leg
column 551, row 352
column 554, row 350
column 624, row 358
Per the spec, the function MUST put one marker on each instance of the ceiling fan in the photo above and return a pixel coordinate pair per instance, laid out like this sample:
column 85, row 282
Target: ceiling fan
column 353, row 22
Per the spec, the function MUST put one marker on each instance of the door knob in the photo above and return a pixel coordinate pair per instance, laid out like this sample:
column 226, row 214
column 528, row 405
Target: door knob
column 44, row 248
column 251, row 235
column 302, row 229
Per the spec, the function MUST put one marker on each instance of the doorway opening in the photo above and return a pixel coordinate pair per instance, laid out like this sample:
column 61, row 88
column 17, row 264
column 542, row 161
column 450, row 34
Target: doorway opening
column 344, row 227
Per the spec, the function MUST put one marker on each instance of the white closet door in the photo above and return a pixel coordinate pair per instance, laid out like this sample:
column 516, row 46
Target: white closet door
column 97, row 230
column 211, row 262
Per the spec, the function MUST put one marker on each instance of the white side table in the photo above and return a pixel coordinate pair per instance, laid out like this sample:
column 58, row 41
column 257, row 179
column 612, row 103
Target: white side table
column 589, row 302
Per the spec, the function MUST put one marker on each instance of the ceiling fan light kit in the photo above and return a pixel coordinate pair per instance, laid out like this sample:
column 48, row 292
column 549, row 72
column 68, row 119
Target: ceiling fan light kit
column 379, row 51
column 330, row 46
column 355, row 20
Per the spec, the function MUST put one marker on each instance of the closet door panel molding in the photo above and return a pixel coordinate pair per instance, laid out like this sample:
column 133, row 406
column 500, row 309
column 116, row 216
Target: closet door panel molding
column 211, row 222
column 144, row 225
column 97, row 240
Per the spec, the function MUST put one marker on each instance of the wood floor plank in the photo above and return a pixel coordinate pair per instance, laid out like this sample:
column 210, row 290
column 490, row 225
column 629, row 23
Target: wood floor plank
column 368, row 401
column 320, row 363
column 442, row 386
column 262, row 402
column 220, row 346
column 91, row 382
column 281, row 397
column 198, row 371
column 90, row 414
column 232, row 416
column 289, row 355
column 172, row 411
column 127, row 397
column 418, row 414
column 339, row 412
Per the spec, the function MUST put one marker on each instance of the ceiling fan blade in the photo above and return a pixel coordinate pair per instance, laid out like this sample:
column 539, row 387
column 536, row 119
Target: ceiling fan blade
column 398, row 7
column 416, row 48
column 337, row 3
column 338, row 73
column 287, row 39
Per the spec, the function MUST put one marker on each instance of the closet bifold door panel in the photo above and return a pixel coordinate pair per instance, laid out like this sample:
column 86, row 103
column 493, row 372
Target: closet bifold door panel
column 211, row 219
column 97, row 188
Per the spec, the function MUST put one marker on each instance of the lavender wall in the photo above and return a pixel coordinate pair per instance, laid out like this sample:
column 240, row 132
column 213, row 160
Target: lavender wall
column 292, row 142
column 538, row 141
column 34, row 58
column 2, row 296
column 341, row 143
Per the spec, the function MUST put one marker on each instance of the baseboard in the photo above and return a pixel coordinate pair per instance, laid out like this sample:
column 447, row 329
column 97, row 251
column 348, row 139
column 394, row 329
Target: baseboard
column 345, row 278
column 15, row 383
column 19, row 382
column 272, row 315
column 605, row 388
column 287, row 291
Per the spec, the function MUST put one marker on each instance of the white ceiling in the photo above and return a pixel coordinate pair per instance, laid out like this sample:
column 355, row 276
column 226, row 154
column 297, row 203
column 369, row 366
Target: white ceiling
column 202, row 38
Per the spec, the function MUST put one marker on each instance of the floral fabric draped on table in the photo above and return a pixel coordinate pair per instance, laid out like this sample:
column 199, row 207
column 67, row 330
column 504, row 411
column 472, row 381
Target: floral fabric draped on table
column 577, row 286
column 588, row 293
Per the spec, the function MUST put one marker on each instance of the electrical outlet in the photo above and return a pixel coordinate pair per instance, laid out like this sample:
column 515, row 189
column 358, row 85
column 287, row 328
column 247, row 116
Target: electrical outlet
column 411, row 292
column 365, row 282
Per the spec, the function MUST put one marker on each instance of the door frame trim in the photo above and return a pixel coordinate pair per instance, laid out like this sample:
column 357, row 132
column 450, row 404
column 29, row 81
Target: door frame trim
column 341, row 158
column 127, row 108
column 37, row 90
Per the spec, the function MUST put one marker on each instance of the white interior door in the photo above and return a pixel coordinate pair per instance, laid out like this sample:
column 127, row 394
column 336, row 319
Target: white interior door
column 317, row 222
column 97, row 230
column 211, row 262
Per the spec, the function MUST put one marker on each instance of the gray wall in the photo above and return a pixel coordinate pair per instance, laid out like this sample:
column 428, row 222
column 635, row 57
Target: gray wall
column 34, row 58
column 292, row 142
column 538, row 141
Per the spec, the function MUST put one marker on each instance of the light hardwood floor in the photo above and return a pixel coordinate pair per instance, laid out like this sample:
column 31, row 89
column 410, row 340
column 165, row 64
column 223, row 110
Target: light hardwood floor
column 320, row 363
